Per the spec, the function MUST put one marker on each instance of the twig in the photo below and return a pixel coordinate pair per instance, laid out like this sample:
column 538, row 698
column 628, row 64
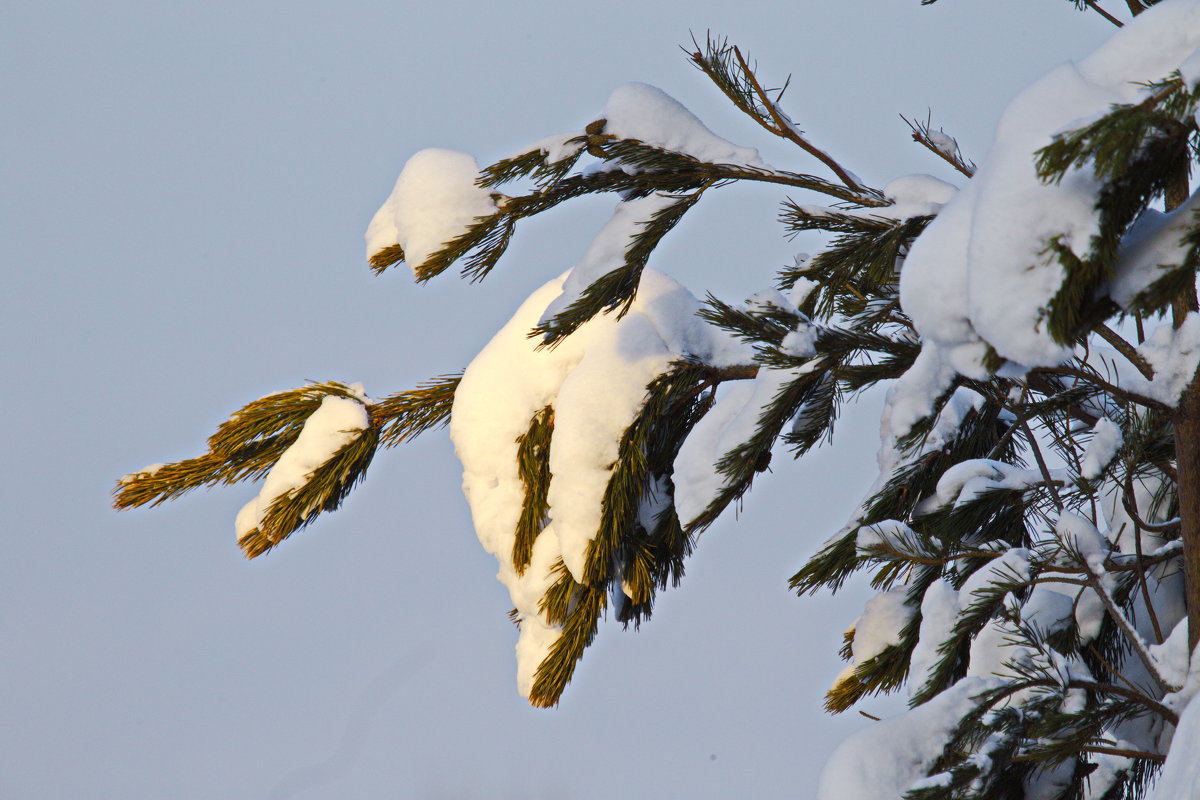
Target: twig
column 1092, row 4
column 1041, row 462
column 1135, row 641
column 1126, row 349
column 1120, row 751
column 1129, row 694
column 920, row 135
column 788, row 131
column 1127, row 499
column 1113, row 389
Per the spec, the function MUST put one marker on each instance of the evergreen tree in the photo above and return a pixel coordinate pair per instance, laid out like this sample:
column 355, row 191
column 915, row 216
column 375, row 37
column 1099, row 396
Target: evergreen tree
column 1034, row 532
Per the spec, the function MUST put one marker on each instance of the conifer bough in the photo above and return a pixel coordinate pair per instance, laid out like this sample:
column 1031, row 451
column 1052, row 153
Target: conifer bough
column 1034, row 532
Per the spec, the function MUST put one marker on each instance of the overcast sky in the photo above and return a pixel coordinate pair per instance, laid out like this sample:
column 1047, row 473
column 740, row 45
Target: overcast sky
column 184, row 195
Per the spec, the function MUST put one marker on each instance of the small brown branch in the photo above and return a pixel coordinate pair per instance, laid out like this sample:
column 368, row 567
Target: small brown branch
column 1129, row 694
column 1135, row 641
column 1054, row 579
column 1137, row 546
column 737, row 372
column 1041, row 462
column 1111, row 565
column 788, row 131
column 920, row 135
column 1126, row 349
column 933, row 560
column 1096, row 7
column 1135, row 7
column 1113, row 389
column 1120, row 751
column 1149, row 527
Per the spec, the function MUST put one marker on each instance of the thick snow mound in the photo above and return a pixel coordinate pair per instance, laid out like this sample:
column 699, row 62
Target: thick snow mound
column 595, row 379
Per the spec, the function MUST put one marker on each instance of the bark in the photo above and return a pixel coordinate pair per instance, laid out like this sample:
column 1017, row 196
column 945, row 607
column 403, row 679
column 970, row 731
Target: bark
column 1187, row 462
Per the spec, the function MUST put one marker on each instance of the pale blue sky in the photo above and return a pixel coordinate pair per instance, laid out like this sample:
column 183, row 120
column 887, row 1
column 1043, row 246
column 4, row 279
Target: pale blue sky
column 185, row 190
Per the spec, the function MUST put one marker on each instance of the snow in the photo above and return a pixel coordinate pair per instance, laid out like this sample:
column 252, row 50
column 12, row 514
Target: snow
column 917, row 196
column 997, row 572
column 1171, row 657
column 939, row 614
column 145, row 472
column 595, row 379
column 966, row 480
column 1174, row 354
column 607, row 250
column 943, row 142
column 967, row 276
column 1153, row 246
column 556, row 148
column 884, row 759
column 731, row 422
column 337, row 422
column 648, row 114
column 1180, row 776
column 879, row 626
column 888, row 533
column 1048, row 609
column 801, row 343
column 1102, row 449
column 697, row 481
column 435, row 199
column 1081, row 535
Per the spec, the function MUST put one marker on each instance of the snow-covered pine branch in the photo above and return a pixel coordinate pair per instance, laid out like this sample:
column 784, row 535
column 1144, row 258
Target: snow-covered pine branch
column 1033, row 534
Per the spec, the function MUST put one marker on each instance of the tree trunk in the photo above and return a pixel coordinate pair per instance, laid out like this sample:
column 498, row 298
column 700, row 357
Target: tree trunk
column 1187, row 461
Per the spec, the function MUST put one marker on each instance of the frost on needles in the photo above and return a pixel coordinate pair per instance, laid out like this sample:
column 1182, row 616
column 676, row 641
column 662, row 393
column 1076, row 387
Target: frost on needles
column 1033, row 534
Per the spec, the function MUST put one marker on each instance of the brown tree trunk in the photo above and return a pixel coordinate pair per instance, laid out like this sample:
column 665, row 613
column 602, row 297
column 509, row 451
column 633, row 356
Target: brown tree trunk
column 1187, row 451
column 1187, row 462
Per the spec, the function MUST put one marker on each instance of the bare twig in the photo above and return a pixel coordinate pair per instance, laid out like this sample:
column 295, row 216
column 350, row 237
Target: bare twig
column 1135, row 641
column 1041, row 462
column 1126, row 349
column 787, row 130
column 1092, row 4
column 1111, row 388
column 1129, row 694
column 1121, row 751
column 922, row 136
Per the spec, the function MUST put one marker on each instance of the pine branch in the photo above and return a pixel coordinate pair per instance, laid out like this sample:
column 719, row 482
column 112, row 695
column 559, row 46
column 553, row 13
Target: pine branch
column 535, row 164
column 578, row 609
column 323, row 490
column 940, row 144
column 742, row 463
column 244, row 447
column 403, row 416
column 617, row 289
column 533, row 467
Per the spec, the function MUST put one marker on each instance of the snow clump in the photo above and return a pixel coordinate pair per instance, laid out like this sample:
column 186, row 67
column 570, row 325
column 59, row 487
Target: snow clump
column 435, row 200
